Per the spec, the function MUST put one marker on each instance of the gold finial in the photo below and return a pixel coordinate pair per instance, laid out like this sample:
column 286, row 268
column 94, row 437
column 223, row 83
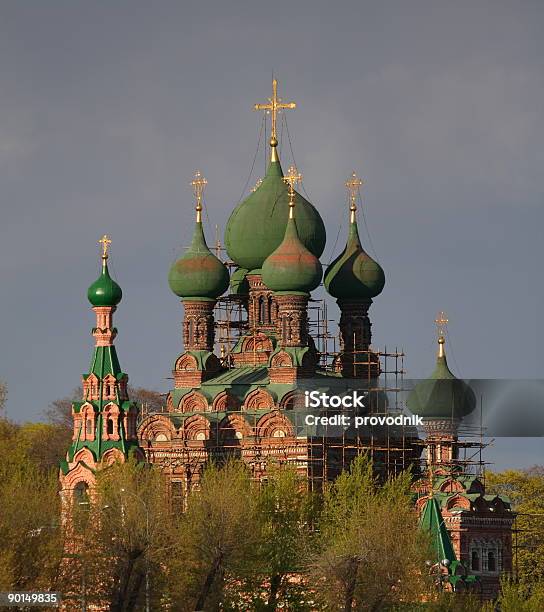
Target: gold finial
column 274, row 106
column 353, row 184
column 105, row 242
column 198, row 183
column 292, row 177
column 257, row 184
column 441, row 322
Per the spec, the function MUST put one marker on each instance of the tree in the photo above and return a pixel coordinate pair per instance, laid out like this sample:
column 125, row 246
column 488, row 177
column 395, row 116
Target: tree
column 521, row 597
column 217, row 538
column 525, row 489
column 287, row 511
column 148, row 400
column 46, row 444
column 30, row 538
column 372, row 552
column 125, row 536
column 59, row 411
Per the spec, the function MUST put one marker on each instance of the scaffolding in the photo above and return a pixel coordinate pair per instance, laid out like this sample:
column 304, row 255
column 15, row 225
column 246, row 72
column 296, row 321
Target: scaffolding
column 321, row 454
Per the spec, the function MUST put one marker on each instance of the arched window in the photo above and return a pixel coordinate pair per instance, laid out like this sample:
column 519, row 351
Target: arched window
column 81, row 492
column 262, row 310
column 285, row 327
column 191, row 331
column 475, row 561
column 110, row 427
column 89, row 427
column 491, row 562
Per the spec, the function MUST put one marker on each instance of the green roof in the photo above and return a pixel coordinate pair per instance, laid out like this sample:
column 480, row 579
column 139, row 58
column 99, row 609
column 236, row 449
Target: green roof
column 104, row 291
column 354, row 274
column 292, row 267
column 198, row 274
column 431, row 521
column 104, row 362
column 256, row 227
column 442, row 395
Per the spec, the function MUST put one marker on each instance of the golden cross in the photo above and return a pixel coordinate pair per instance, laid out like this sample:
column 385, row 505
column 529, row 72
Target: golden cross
column 441, row 322
column 292, row 177
column 198, row 183
column 273, row 107
column 105, row 242
column 353, row 184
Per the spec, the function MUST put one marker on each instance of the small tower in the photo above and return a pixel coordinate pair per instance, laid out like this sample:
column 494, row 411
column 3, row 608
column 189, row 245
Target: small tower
column 479, row 525
column 442, row 401
column 354, row 278
column 105, row 418
column 292, row 272
column 198, row 278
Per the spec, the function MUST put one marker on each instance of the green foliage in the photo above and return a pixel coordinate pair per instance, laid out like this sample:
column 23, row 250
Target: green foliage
column 129, row 529
column 372, row 553
column 30, row 538
column 521, row 597
column 218, row 537
column 526, row 492
column 286, row 514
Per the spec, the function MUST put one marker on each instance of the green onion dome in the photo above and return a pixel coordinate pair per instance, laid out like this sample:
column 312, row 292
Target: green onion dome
column 198, row 274
column 256, row 226
column 442, row 395
column 292, row 267
column 354, row 274
column 104, row 291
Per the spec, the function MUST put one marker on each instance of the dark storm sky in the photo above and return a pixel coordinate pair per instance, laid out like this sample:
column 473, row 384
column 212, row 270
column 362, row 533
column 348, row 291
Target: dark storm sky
column 108, row 108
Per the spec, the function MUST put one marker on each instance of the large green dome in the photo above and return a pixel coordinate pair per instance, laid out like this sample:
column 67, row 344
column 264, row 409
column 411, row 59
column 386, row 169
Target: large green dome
column 292, row 267
column 198, row 274
column 256, row 226
column 354, row 274
column 104, row 291
column 442, row 396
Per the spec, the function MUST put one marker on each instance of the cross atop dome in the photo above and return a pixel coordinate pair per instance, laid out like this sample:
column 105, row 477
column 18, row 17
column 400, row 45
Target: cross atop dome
column 274, row 106
column 198, row 183
column 292, row 177
column 353, row 184
column 441, row 323
column 105, row 241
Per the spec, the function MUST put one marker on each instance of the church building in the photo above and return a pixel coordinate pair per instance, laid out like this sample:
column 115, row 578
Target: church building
column 244, row 397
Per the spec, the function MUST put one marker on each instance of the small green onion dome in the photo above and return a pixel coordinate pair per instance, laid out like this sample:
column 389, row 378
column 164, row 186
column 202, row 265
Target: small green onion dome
column 198, row 274
column 442, row 395
column 292, row 267
column 256, row 226
column 354, row 274
column 104, row 291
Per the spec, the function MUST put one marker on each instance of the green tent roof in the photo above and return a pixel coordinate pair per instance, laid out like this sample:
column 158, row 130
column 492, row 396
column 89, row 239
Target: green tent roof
column 431, row 521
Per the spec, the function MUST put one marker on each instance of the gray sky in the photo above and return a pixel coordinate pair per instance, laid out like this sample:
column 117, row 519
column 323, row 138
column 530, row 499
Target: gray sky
column 107, row 109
